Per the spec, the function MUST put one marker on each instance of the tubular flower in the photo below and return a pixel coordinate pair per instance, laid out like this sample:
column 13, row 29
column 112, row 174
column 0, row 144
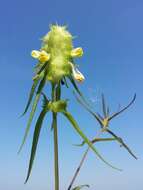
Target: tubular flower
column 42, row 55
column 77, row 74
column 35, row 54
column 77, row 52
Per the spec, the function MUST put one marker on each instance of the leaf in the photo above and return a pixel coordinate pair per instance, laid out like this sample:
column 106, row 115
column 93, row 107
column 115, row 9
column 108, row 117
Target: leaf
column 42, row 68
column 108, row 111
column 37, row 97
column 35, row 83
column 45, row 99
column 75, row 86
column 117, row 113
column 76, row 127
column 104, row 106
column 89, row 110
column 77, row 90
column 65, row 82
column 120, row 140
column 80, row 187
column 35, row 141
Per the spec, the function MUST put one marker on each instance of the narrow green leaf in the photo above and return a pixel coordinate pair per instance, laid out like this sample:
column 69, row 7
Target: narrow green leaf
column 104, row 106
column 65, row 82
column 35, row 141
column 120, row 140
column 98, row 118
column 35, row 83
column 77, row 90
column 80, row 187
column 75, row 86
column 76, row 127
column 42, row 68
column 37, row 97
column 122, row 110
column 108, row 111
column 45, row 99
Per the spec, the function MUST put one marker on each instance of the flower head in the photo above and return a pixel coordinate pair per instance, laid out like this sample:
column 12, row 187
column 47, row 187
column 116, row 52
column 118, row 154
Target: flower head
column 57, row 52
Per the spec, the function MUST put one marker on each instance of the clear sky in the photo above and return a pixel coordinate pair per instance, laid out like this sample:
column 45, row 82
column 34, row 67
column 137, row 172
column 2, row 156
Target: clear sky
column 111, row 34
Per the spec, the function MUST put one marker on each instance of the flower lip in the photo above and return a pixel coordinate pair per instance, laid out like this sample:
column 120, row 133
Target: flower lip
column 77, row 52
column 77, row 74
column 42, row 55
column 35, row 54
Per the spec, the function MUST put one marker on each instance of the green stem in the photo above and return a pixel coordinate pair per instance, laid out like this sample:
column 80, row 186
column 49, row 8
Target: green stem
column 54, row 125
column 79, row 167
column 81, row 163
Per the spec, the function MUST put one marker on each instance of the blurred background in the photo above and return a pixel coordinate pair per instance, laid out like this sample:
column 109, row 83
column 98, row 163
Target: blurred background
column 111, row 34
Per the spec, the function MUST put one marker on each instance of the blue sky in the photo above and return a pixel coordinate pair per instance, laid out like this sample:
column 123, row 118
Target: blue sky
column 110, row 33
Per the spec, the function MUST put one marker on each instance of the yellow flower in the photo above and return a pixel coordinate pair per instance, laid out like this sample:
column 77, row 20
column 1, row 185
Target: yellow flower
column 77, row 52
column 105, row 122
column 42, row 56
column 35, row 54
column 77, row 74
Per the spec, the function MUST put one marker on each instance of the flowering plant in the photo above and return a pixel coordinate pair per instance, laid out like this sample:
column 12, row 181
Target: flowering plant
column 56, row 66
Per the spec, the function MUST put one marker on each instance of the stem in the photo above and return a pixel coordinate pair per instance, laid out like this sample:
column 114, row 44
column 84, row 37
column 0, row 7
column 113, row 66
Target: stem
column 80, row 164
column 79, row 167
column 54, row 125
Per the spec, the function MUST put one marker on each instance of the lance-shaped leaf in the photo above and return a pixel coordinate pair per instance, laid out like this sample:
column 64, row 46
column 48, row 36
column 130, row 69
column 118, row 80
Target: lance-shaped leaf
column 65, row 82
column 77, row 89
column 37, row 97
column 97, row 116
column 80, row 187
column 122, row 110
column 35, row 141
column 120, row 140
column 104, row 106
column 31, row 94
column 42, row 68
column 75, row 86
column 79, row 131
